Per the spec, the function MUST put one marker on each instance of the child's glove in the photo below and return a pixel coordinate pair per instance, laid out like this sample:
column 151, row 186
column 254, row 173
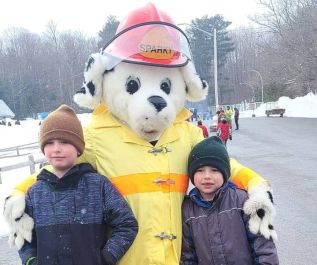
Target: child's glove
column 31, row 261
column 230, row 137
column 20, row 224
column 262, row 211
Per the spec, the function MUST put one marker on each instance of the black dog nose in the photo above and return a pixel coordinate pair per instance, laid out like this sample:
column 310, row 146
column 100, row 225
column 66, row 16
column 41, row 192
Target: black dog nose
column 158, row 102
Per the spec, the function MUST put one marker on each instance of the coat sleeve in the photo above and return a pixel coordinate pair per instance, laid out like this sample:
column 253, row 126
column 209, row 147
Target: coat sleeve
column 245, row 178
column 188, row 255
column 23, row 186
column 29, row 250
column 120, row 219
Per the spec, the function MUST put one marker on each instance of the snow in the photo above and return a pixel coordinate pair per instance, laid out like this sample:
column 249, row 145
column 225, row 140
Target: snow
column 304, row 107
column 27, row 132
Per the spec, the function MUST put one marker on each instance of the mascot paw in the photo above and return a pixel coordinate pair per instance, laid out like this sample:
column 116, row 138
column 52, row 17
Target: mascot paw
column 20, row 224
column 262, row 211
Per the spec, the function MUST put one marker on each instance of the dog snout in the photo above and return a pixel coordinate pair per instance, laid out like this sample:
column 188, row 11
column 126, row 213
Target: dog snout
column 158, row 102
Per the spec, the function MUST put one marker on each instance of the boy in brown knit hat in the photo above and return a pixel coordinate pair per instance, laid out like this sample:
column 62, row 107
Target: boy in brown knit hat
column 73, row 206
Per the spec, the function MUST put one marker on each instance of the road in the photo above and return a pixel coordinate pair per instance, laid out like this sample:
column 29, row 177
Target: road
column 283, row 150
column 8, row 256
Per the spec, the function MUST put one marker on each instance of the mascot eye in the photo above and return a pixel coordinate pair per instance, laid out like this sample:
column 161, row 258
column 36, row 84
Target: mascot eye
column 132, row 84
column 166, row 86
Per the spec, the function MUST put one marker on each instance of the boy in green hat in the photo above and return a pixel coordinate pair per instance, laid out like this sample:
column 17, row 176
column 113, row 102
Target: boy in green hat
column 215, row 229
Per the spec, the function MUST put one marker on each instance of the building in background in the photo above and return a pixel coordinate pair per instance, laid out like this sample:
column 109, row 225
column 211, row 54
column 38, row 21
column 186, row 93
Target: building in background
column 5, row 111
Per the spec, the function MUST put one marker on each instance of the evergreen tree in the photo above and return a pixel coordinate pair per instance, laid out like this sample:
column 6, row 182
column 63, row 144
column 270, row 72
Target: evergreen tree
column 201, row 37
column 108, row 31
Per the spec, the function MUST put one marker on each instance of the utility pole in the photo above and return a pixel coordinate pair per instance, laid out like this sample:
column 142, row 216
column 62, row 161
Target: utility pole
column 216, row 69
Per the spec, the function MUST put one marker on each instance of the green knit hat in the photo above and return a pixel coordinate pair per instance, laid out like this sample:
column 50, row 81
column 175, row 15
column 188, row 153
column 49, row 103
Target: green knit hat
column 209, row 152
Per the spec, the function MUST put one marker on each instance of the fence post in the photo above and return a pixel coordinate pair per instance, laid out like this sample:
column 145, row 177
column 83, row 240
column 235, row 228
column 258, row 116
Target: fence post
column 32, row 164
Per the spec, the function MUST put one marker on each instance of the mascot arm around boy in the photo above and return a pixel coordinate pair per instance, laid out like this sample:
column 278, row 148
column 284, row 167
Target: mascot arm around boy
column 140, row 139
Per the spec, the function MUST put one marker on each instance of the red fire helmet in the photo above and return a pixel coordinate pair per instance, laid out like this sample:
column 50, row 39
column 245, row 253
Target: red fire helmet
column 148, row 36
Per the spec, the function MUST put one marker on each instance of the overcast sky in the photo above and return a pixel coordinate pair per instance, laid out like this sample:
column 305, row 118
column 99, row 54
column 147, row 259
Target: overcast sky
column 89, row 16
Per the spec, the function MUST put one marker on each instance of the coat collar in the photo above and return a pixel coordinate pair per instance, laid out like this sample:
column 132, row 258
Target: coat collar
column 103, row 118
column 69, row 180
column 196, row 197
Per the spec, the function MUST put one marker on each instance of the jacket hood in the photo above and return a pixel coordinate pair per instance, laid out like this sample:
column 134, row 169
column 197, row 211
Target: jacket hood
column 71, row 177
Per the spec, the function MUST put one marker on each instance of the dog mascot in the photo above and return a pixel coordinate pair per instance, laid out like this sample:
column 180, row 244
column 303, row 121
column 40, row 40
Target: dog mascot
column 140, row 139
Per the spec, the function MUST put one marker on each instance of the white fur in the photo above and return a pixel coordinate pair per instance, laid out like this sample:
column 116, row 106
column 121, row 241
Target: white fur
column 14, row 207
column 135, row 110
column 95, row 75
column 20, row 229
column 259, row 199
column 196, row 91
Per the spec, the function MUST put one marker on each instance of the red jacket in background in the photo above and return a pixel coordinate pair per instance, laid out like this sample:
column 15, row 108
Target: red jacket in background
column 223, row 130
column 205, row 131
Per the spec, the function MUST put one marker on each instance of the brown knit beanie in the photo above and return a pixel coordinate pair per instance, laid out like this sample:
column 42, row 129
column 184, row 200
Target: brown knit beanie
column 62, row 124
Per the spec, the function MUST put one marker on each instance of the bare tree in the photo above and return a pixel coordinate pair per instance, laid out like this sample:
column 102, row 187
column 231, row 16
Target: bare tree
column 290, row 53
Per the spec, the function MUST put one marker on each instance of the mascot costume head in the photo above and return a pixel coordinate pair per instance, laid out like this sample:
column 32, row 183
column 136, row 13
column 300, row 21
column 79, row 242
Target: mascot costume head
column 144, row 74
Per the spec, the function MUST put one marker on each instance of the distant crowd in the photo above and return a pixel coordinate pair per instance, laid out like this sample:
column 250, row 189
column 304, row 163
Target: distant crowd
column 224, row 124
column 3, row 122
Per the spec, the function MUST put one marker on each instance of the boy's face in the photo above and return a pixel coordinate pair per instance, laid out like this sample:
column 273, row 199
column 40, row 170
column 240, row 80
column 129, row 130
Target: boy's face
column 61, row 154
column 208, row 180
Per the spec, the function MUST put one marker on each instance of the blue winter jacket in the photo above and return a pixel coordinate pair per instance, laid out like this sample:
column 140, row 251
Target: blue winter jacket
column 79, row 219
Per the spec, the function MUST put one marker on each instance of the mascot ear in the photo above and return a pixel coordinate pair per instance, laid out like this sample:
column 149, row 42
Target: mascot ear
column 196, row 88
column 90, row 95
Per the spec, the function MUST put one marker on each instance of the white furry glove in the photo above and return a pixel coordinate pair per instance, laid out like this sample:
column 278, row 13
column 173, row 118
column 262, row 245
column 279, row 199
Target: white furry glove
column 20, row 224
column 262, row 211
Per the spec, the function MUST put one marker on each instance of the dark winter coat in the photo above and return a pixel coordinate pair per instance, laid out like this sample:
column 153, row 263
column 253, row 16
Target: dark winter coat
column 236, row 114
column 215, row 233
column 73, row 216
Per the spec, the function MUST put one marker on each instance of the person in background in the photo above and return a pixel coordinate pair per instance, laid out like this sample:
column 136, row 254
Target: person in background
column 195, row 115
column 224, row 131
column 74, row 207
column 228, row 115
column 215, row 228
column 204, row 129
column 220, row 114
column 236, row 118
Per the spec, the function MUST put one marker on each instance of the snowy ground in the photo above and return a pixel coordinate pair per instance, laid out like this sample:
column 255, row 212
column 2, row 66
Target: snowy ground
column 27, row 132
column 299, row 107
